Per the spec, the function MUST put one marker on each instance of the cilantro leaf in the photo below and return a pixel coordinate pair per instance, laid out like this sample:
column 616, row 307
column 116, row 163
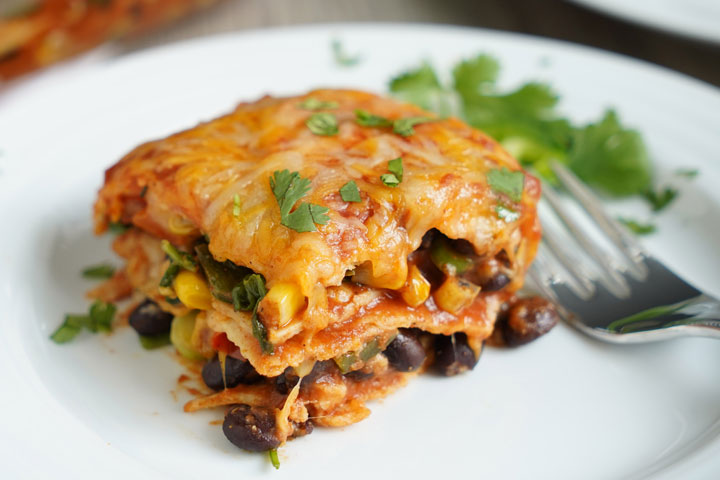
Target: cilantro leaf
column 393, row 179
column 322, row 123
column 101, row 271
column 367, row 119
column 101, row 316
column 660, row 199
column 687, row 172
column 422, row 87
column 350, row 193
column 404, row 126
column 506, row 181
column 610, row 157
column 476, row 76
column 395, row 167
column 288, row 189
column 341, row 57
column 315, row 104
column 246, row 296
column 184, row 259
column 637, row 227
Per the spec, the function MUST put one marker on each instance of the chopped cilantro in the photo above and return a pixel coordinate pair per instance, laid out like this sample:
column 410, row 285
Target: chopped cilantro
column 660, row 199
column 236, row 205
column 118, row 228
column 508, row 182
column 151, row 342
column 288, row 189
column 99, row 271
column 322, row 123
column 349, row 192
column 367, row 119
column 274, row 458
column 404, row 126
column 184, row 259
column 637, row 227
column 395, row 176
column 506, row 213
column 100, row 318
column 422, row 87
column 687, row 172
column 341, row 57
column 315, row 104
column 246, row 296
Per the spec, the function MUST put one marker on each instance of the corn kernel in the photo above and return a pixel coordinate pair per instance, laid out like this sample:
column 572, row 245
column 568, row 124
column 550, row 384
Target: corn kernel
column 455, row 294
column 192, row 290
column 282, row 302
column 179, row 225
column 393, row 280
column 417, row 288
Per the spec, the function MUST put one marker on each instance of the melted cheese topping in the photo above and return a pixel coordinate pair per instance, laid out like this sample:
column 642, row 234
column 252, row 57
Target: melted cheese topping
column 194, row 176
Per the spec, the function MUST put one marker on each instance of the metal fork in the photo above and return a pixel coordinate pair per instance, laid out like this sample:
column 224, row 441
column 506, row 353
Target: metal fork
column 629, row 300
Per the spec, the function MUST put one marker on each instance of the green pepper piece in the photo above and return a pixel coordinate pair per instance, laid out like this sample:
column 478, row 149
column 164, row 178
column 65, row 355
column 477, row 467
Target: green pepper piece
column 370, row 349
column 169, row 275
column 346, row 361
column 181, row 331
column 151, row 342
column 447, row 259
column 223, row 277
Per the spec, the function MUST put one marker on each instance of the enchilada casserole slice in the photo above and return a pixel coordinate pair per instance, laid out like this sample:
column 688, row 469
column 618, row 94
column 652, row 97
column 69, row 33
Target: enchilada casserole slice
column 315, row 252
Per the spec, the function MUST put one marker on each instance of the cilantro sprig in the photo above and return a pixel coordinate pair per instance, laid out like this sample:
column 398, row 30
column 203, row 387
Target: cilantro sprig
column 660, row 199
column 400, row 126
column 637, row 227
column 288, row 189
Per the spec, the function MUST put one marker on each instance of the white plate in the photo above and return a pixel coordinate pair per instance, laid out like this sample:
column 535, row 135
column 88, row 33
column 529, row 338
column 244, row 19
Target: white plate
column 699, row 19
column 563, row 407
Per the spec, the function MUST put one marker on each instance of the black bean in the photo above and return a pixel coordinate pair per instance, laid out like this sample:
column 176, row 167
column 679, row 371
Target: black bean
column 251, row 428
column 286, row 381
column 236, row 372
column 405, row 353
column 149, row 319
column 496, row 282
column 528, row 319
column 453, row 354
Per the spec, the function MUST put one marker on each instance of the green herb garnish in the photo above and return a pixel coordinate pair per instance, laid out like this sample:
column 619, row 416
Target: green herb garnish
column 637, row 227
column 99, row 271
column 367, row 119
column 341, row 57
column 404, row 126
column 184, row 259
column 118, row 227
column 322, row 123
column 169, row 276
column 395, row 176
column 604, row 154
column 151, row 342
column 660, row 199
column 687, row 172
column 350, row 193
column 99, row 318
column 506, row 181
column 506, row 213
column 236, row 205
column 288, row 189
column 315, row 104
column 274, row 458
column 246, row 296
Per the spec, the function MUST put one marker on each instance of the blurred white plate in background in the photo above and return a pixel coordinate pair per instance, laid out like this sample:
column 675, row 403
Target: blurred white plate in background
column 564, row 407
column 699, row 19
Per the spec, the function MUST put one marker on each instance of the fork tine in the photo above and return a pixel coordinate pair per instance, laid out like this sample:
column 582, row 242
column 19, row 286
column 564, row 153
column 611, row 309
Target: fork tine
column 613, row 280
column 574, row 266
column 549, row 270
column 624, row 242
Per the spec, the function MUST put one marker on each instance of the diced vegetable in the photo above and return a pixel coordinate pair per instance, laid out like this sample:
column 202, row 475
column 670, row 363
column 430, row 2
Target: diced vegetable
column 223, row 277
column 284, row 300
column 246, row 296
column 192, row 290
column 184, row 259
column 447, row 259
column 181, row 332
column 274, row 458
column 455, row 294
column 101, row 271
column 180, row 225
column 169, row 276
column 417, row 288
column 151, row 342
